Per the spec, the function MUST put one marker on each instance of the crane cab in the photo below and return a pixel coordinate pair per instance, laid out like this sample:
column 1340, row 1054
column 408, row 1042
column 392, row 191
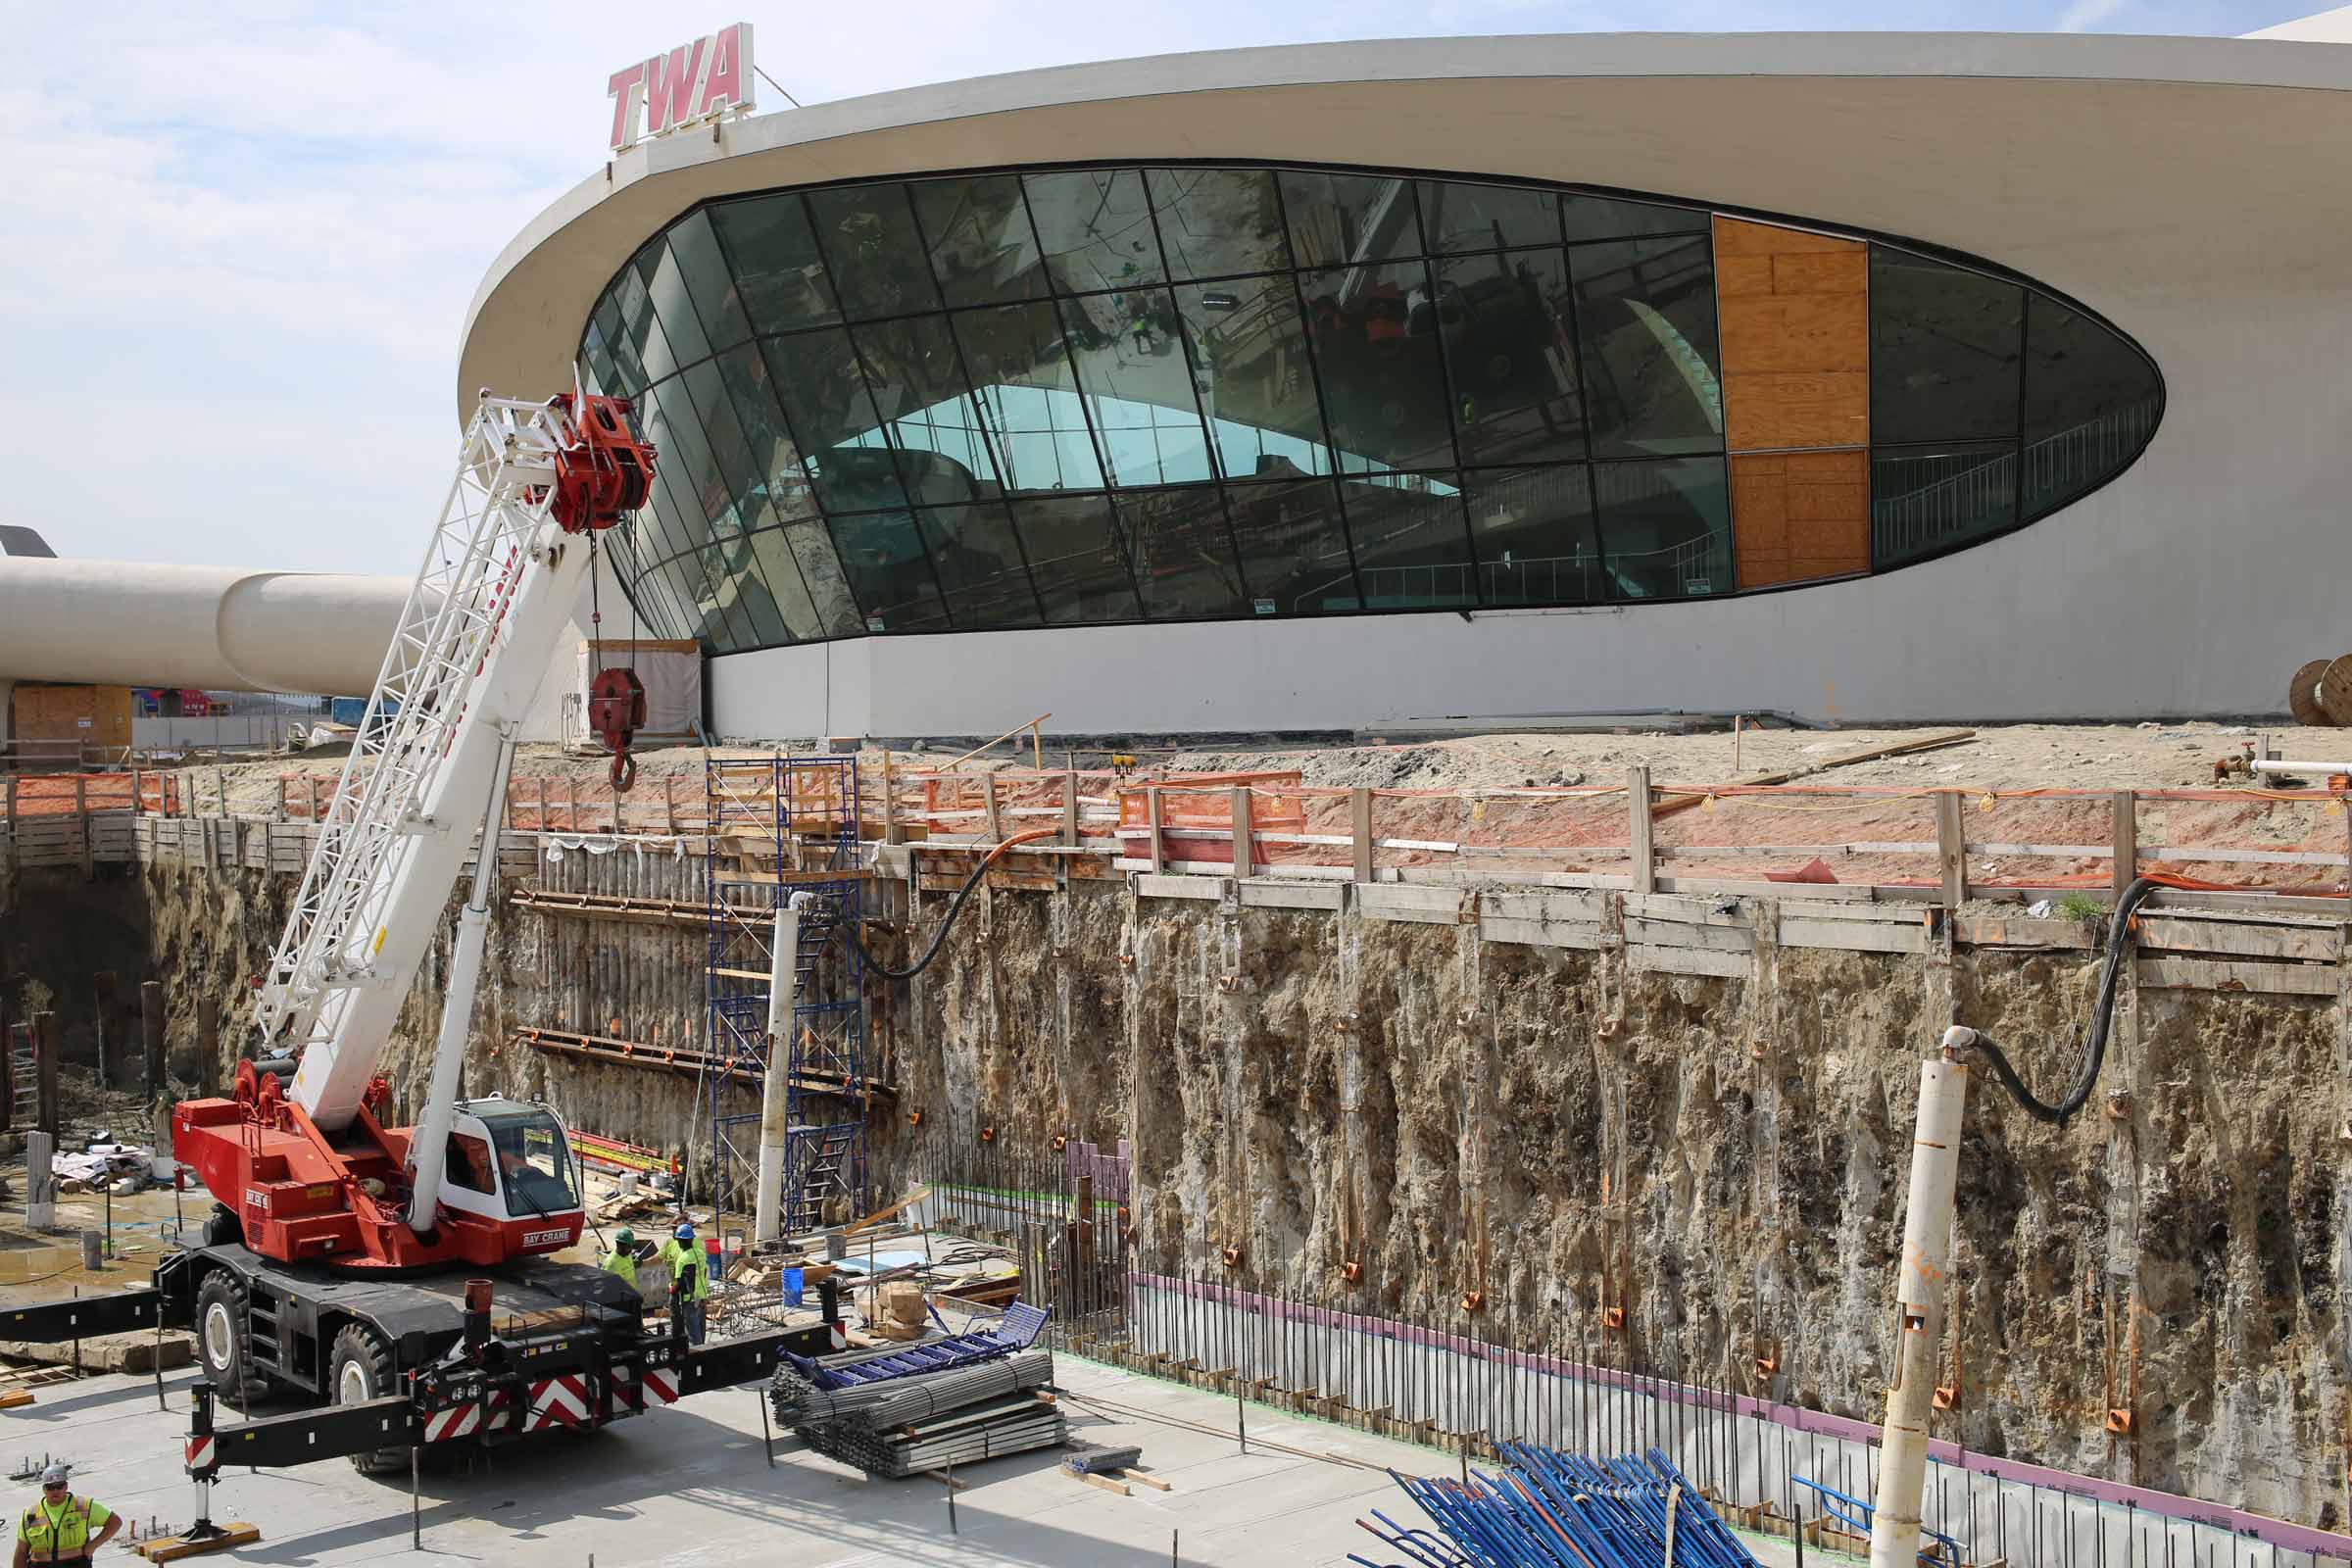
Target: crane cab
column 510, row 1164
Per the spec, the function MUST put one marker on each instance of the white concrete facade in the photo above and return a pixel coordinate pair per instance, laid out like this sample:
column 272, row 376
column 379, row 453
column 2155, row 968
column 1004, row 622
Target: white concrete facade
column 2180, row 187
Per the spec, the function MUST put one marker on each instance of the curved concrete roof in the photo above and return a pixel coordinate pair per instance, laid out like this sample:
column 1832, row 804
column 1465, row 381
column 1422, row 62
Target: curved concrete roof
column 2061, row 156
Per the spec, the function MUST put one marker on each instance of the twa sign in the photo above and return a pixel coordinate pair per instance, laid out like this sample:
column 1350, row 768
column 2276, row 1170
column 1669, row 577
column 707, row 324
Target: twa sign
column 689, row 85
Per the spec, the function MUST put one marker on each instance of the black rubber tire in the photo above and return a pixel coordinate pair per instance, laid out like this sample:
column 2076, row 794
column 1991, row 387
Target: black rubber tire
column 225, row 1340
column 360, row 1369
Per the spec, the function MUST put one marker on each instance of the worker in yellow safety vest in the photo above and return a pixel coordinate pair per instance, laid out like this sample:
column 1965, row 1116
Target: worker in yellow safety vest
column 623, row 1260
column 691, row 1285
column 57, row 1529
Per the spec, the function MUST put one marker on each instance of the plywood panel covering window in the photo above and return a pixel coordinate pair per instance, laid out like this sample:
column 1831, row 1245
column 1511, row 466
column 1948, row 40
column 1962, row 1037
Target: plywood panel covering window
column 1794, row 313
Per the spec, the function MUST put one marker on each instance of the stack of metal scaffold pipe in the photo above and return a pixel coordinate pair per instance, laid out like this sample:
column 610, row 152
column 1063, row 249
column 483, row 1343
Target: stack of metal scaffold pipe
column 927, row 1421
column 1548, row 1508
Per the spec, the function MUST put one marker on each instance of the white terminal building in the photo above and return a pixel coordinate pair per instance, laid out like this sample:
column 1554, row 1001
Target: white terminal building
column 1861, row 378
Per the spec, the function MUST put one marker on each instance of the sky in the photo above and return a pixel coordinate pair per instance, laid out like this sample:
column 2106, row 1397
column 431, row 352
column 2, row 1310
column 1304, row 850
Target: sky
column 240, row 238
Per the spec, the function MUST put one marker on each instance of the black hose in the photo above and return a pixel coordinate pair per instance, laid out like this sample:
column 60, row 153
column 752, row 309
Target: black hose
column 2086, row 1075
column 939, row 935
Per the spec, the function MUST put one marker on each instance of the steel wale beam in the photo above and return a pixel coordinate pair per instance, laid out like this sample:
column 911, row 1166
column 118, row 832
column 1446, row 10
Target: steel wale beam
column 2285, row 1535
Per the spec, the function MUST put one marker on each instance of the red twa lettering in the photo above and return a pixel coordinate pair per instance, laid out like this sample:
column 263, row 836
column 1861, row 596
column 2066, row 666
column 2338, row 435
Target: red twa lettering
column 673, row 84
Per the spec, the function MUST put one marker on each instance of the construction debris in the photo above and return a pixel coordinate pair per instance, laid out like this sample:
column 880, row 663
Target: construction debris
column 1629, row 1512
column 902, row 1412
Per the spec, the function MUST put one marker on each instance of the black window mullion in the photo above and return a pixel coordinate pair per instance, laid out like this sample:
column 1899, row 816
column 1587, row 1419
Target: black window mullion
column 775, row 395
column 824, row 259
column 1453, row 404
column 2025, row 353
column 1053, row 302
column 971, row 398
column 1314, row 372
column 1583, row 396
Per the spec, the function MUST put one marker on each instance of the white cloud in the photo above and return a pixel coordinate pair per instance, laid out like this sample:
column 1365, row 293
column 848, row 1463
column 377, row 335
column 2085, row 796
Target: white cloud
column 2085, row 15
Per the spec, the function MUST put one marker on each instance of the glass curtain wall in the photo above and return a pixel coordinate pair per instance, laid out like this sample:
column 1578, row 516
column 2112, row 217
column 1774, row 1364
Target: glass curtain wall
column 1075, row 396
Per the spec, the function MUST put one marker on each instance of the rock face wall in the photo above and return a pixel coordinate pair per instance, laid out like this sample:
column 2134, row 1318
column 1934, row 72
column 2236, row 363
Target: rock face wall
column 1725, row 1157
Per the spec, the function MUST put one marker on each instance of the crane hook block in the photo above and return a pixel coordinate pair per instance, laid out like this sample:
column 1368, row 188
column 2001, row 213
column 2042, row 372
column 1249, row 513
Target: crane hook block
column 608, row 474
column 617, row 713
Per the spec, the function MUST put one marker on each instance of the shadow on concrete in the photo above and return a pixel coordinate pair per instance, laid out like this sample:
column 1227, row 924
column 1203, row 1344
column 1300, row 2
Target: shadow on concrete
column 678, row 1476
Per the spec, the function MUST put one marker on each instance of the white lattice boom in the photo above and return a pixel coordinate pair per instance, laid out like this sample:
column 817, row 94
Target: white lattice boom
column 474, row 641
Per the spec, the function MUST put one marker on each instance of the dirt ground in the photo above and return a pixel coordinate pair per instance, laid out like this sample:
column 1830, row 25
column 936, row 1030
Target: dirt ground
column 2007, row 757
column 1559, row 795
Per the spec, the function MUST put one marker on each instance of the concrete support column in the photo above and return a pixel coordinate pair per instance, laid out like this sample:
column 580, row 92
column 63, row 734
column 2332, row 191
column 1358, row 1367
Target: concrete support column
column 1920, row 1281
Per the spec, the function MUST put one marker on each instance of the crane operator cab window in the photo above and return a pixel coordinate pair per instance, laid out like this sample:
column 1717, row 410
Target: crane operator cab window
column 469, row 1163
column 532, row 1158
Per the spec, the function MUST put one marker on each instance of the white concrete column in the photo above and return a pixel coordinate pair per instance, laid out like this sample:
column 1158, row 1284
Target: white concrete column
column 1920, row 1279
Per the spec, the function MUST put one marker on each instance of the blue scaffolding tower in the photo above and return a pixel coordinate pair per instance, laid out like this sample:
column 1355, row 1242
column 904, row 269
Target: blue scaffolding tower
column 778, row 826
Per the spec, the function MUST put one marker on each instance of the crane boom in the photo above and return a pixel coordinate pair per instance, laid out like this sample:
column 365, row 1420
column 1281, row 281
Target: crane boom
column 472, row 644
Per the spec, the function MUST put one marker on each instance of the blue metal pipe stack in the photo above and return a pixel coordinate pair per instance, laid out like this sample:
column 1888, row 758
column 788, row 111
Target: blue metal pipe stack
column 1549, row 1509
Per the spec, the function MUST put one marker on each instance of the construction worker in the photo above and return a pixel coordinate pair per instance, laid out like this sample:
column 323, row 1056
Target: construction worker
column 689, row 1287
column 57, row 1529
column 623, row 1258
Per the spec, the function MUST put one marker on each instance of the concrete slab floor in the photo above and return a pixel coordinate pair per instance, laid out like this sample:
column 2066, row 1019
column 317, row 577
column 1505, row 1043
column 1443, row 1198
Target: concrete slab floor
column 688, row 1486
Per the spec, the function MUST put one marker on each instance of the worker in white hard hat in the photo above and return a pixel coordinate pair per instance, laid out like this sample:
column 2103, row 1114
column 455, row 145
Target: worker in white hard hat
column 57, row 1529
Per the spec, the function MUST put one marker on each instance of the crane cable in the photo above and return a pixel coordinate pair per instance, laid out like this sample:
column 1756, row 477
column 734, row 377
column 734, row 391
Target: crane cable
column 939, row 932
column 2092, row 1053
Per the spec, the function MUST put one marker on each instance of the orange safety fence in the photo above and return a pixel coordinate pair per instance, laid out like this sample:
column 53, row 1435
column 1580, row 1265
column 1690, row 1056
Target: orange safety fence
column 1195, row 816
column 67, row 794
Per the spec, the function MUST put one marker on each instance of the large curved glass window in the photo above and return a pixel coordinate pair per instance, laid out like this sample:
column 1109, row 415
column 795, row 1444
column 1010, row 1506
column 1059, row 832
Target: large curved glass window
column 1100, row 395
column 1990, row 405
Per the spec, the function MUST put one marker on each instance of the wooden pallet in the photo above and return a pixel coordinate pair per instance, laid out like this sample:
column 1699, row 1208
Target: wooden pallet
column 167, row 1549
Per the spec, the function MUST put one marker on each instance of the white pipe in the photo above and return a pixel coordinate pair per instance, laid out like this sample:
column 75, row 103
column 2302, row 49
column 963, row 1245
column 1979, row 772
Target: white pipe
column 428, row 1144
column 1920, row 1275
column 135, row 624
column 775, row 1100
column 2283, row 764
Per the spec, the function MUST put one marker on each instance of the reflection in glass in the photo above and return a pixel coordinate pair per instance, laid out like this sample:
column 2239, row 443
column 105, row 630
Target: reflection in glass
column 825, row 398
column 1184, row 561
column 2091, row 404
column 1348, row 219
column 1094, row 228
column 1081, row 396
column 1411, row 548
column 782, row 575
column 1027, row 398
column 738, row 582
column 1247, row 344
column 681, row 326
column 883, row 558
column 1294, row 555
column 1665, row 527
column 915, row 375
column 1136, row 387
column 982, row 251
column 1375, row 334
column 1533, row 534
column 1077, row 558
column 1943, row 351
column 1460, row 218
column 775, row 262
column 1646, row 313
column 868, row 236
column 1926, row 499
column 637, row 335
column 1606, row 217
column 1511, row 348
column 980, row 566
column 1218, row 222
column 695, row 249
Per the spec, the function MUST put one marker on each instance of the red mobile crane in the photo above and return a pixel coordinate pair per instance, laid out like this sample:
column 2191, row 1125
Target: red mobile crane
column 358, row 1265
